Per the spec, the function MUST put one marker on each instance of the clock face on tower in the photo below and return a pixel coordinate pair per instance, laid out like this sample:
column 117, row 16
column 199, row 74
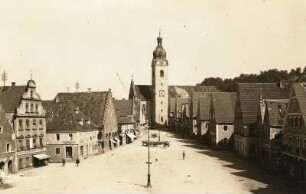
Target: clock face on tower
column 161, row 93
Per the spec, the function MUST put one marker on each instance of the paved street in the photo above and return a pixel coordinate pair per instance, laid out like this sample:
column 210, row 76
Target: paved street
column 124, row 169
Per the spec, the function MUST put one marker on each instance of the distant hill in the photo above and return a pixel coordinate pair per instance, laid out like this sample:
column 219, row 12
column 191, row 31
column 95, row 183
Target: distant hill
column 272, row 75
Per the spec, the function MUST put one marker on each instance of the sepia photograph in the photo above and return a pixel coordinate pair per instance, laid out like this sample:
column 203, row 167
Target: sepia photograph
column 153, row 96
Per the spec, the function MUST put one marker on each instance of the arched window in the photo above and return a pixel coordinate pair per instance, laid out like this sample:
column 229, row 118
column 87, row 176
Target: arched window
column 161, row 73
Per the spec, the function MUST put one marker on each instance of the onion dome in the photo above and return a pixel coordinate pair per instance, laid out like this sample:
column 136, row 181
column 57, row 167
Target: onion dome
column 159, row 51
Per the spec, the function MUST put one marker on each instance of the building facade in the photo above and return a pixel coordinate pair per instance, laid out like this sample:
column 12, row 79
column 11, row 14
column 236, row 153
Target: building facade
column 23, row 108
column 294, row 133
column 7, row 145
column 100, row 108
column 70, row 135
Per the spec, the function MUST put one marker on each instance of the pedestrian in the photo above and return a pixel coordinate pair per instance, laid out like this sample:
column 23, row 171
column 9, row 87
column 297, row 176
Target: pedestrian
column 77, row 162
column 183, row 155
column 1, row 179
column 63, row 161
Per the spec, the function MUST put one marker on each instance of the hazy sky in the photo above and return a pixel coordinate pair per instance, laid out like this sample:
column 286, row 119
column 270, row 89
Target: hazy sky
column 91, row 41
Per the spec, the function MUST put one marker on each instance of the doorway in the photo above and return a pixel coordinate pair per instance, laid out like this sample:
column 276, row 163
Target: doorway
column 68, row 152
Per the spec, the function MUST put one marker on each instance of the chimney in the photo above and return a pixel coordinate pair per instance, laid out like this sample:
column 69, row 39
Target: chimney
column 13, row 83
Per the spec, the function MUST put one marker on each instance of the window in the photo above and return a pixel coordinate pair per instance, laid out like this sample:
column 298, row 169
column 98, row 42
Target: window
column 57, row 137
column 28, row 143
column 41, row 142
column 161, row 102
column 41, row 123
column 70, row 136
column 28, row 124
column 34, row 123
column 27, row 161
column 225, row 127
column 162, row 119
column 20, row 144
column 34, row 143
column 20, row 124
column 36, row 108
column 57, row 150
column 1, row 129
column 8, row 147
column 27, row 107
column 162, row 74
column 32, row 108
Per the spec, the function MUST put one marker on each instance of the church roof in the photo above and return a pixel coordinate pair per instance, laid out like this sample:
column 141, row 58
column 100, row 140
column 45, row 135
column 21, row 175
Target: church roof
column 145, row 92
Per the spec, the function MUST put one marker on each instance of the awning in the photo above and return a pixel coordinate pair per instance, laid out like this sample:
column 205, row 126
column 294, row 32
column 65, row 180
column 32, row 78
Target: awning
column 116, row 139
column 131, row 135
column 41, row 156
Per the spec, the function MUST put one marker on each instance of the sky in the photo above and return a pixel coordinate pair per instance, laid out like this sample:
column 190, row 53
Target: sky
column 102, row 44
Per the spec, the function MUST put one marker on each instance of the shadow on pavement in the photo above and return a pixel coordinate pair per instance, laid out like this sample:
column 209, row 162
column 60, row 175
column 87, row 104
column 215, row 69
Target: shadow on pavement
column 5, row 186
column 276, row 182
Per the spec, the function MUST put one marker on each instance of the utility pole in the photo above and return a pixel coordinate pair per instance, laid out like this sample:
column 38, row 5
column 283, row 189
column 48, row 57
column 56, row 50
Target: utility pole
column 149, row 162
column 4, row 77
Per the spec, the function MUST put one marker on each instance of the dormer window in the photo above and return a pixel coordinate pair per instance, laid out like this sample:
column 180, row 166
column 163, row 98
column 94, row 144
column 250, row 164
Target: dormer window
column 31, row 94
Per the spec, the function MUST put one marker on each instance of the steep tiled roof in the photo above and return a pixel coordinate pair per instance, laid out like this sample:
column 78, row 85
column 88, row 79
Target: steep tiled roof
column 224, row 106
column 91, row 104
column 204, row 106
column 300, row 92
column 10, row 97
column 124, row 111
column 250, row 93
column 195, row 101
column 145, row 93
column 276, row 111
column 65, row 117
column 186, row 91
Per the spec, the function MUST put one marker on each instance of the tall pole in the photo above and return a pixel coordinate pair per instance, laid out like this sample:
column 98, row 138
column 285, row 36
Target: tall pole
column 149, row 162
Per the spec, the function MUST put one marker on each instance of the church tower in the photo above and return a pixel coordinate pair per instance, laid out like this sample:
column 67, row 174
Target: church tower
column 160, row 85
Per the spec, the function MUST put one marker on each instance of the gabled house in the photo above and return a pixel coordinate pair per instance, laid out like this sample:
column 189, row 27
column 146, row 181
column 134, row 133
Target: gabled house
column 246, row 114
column 125, row 110
column 100, row 108
column 71, row 134
column 222, row 111
column 294, row 133
column 203, row 118
column 271, row 138
column 7, row 145
column 22, row 106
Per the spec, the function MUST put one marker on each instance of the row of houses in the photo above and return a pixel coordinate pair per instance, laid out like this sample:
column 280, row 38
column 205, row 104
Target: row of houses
column 262, row 122
column 71, row 126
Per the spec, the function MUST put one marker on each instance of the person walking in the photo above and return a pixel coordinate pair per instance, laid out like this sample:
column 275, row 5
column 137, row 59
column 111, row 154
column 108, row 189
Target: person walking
column 77, row 162
column 63, row 161
column 184, row 155
column 1, row 179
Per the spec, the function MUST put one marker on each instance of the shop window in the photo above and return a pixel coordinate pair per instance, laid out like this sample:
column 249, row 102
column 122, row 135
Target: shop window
column 34, row 142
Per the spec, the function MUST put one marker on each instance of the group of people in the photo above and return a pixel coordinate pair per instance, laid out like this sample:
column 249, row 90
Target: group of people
column 77, row 162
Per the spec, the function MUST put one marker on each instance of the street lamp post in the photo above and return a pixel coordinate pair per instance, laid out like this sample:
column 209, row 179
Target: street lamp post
column 149, row 162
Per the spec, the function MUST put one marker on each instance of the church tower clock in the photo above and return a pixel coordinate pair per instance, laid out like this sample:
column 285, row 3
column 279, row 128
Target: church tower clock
column 160, row 84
